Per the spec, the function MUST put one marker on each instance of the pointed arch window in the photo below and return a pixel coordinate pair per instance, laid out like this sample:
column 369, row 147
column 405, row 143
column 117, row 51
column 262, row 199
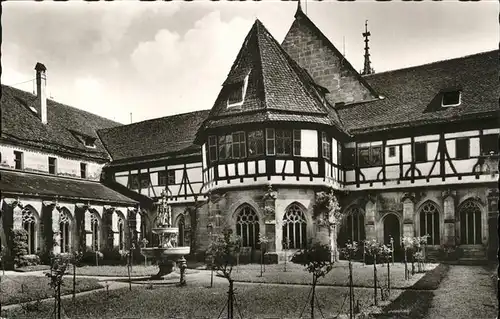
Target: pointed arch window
column 294, row 228
column 65, row 231
column 353, row 226
column 429, row 222
column 94, row 229
column 30, row 221
column 247, row 226
column 121, row 234
column 470, row 223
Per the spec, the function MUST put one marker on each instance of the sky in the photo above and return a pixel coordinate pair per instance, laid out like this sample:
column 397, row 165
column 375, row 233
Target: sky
column 157, row 59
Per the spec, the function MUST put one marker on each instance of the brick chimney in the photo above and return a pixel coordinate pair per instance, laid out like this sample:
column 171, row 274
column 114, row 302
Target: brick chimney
column 41, row 92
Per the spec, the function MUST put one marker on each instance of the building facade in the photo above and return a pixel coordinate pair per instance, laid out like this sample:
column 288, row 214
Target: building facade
column 408, row 152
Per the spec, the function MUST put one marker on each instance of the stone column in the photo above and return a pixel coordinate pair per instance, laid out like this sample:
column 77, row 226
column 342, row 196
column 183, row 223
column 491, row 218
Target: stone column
column 370, row 211
column 17, row 216
column 408, row 215
column 449, row 218
column 56, row 232
column 492, row 223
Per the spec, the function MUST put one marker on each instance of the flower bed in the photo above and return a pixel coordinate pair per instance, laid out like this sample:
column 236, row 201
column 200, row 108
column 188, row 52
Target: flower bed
column 295, row 274
column 33, row 268
column 253, row 301
column 19, row 289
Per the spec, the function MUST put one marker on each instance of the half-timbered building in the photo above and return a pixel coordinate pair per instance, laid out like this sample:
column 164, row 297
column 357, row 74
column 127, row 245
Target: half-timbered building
column 408, row 152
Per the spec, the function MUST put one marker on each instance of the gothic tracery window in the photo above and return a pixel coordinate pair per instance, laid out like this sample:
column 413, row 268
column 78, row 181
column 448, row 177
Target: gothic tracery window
column 429, row 222
column 470, row 223
column 29, row 224
column 247, row 226
column 64, row 228
column 294, row 228
column 353, row 226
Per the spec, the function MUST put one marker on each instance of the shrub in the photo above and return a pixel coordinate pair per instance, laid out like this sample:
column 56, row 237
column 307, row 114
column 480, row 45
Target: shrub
column 112, row 256
column 20, row 247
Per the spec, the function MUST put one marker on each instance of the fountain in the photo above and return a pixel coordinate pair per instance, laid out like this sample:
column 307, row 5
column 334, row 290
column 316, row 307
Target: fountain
column 167, row 251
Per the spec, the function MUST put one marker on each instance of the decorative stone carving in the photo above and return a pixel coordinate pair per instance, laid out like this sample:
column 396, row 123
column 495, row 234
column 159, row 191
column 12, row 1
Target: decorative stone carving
column 270, row 194
column 448, row 192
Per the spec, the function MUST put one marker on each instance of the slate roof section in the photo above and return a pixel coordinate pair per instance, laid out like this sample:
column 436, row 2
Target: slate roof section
column 413, row 95
column 22, row 126
column 275, row 84
column 23, row 183
column 166, row 135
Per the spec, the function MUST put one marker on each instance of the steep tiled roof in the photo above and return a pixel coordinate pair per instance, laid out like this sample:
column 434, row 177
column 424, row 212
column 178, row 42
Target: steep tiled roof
column 314, row 52
column 413, row 95
column 170, row 134
column 22, row 183
column 20, row 125
column 276, row 84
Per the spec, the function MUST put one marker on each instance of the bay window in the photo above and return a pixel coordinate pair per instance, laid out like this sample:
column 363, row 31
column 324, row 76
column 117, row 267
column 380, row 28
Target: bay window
column 255, row 143
column 212, row 148
column 326, row 146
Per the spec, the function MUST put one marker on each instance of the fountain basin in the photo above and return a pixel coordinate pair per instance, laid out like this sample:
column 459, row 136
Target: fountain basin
column 160, row 252
column 165, row 230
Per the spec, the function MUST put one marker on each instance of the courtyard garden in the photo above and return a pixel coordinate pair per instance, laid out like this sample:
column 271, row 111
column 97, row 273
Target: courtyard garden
column 30, row 288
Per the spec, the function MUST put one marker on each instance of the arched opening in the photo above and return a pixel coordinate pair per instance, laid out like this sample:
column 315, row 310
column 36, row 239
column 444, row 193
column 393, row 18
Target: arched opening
column 247, row 227
column 30, row 224
column 429, row 222
column 392, row 230
column 353, row 227
column 294, row 228
column 470, row 223
column 65, row 231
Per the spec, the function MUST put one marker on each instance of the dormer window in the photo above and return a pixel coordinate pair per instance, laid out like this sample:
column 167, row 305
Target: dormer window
column 237, row 92
column 451, row 98
column 89, row 142
column 86, row 140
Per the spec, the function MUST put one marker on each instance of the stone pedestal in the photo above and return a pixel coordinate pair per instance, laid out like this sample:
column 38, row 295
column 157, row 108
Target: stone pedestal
column 270, row 229
column 493, row 224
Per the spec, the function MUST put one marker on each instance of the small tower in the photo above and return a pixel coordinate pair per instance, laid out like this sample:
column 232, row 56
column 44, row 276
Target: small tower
column 367, row 68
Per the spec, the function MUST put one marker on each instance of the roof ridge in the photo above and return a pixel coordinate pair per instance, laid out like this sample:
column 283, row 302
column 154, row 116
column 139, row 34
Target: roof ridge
column 431, row 63
column 153, row 119
column 264, row 91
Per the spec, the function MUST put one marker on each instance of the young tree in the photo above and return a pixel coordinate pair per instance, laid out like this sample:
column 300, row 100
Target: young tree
column 374, row 249
column 263, row 240
column 349, row 251
column 327, row 213
column 386, row 254
column 286, row 244
column 57, row 271
column 75, row 259
column 223, row 250
column 317, row 261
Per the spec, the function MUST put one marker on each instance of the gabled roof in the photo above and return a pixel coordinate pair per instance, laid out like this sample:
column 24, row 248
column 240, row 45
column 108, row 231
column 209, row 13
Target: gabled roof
column 314, row 52
column 171, row 134
column 22, row 126
column 413, row 95
column 23, row 183
column 276, row 85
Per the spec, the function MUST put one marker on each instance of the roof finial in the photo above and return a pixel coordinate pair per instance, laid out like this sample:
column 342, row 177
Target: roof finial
column 367, row 68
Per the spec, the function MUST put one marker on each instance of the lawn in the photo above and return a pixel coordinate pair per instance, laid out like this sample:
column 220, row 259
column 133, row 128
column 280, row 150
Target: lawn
column 119, row 271
column 29, row 288
column 253, row 301
column 339, row 276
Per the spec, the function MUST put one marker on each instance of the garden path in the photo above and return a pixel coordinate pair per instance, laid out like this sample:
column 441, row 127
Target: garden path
column 466, row 292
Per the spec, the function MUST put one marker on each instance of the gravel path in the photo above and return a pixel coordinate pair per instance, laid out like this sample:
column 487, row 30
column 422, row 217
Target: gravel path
column 466, row 292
